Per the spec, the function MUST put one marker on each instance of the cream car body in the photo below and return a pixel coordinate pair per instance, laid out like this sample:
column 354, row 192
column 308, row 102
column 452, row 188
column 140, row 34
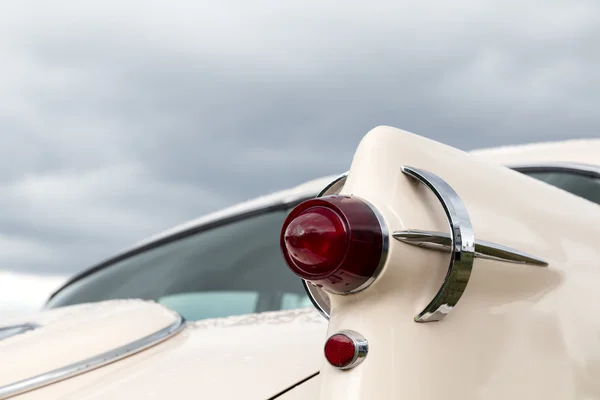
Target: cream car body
column 518, row 331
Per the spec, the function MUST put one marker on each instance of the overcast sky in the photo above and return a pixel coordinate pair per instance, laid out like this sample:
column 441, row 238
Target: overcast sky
column 119, row 119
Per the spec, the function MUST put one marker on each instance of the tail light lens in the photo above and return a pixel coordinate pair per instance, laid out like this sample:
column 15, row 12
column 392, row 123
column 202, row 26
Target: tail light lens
column 335, row 242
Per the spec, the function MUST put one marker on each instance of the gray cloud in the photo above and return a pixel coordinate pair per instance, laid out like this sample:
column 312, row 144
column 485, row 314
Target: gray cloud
column 121, row 120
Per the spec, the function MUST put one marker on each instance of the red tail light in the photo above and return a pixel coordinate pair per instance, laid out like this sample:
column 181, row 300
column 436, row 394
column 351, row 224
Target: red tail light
column 336, row 242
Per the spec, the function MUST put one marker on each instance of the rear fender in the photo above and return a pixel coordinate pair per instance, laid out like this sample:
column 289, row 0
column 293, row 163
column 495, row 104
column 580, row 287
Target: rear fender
column 518, row 331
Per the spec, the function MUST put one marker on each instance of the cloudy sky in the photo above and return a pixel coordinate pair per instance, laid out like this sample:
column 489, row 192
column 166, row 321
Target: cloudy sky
column 119, row 119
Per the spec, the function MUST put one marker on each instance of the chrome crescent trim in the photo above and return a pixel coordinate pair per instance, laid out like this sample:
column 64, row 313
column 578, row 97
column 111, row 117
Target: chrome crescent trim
column 361, row 348
column 486, row 250
column 13, row 330
column 321, row 308
column 462, row 246
column 334, row 186
column 93, row 362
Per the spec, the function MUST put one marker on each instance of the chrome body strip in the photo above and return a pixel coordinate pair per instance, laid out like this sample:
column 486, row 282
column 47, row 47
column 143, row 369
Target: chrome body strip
column 13, row 330
column 487, row 250
column 92, row 363
column 462, row 246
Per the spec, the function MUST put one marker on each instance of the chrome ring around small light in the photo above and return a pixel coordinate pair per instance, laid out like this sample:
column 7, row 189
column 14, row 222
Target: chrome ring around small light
column 462, row 248
column 94, row 362
column 361, row 347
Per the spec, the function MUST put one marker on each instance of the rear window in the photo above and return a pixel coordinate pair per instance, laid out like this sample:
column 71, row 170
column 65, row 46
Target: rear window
column 231, row 269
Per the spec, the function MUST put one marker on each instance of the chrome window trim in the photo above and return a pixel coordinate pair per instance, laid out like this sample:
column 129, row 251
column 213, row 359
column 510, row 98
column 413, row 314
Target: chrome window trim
column 94, row 362
column 590, row 171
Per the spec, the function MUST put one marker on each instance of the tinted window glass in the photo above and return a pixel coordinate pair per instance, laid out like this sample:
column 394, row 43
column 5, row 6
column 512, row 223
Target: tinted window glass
column 229, row 270
column 580, row 185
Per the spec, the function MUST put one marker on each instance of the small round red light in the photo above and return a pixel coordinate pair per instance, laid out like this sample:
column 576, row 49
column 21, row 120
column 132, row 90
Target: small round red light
column 340, row 350
column 335, row 242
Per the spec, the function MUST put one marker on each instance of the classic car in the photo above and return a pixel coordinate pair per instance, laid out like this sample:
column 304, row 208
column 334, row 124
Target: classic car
column 432, row 272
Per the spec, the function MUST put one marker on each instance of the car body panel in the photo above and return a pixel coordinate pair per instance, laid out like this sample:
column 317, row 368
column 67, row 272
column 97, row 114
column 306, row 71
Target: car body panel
column 306, row 390
column 518, row 331
column 252, row 357
column 67, row 336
